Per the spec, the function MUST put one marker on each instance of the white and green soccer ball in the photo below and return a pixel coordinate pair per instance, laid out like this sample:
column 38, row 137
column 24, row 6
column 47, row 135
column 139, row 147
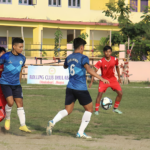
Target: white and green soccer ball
column 106, row 103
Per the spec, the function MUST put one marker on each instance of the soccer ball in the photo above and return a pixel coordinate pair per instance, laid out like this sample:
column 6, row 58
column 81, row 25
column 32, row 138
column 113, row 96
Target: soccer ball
column 106, row 103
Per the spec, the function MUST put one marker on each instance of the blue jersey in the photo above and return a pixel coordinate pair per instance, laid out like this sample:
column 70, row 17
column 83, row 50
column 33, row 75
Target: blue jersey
column 12, row 68
column 77, row 73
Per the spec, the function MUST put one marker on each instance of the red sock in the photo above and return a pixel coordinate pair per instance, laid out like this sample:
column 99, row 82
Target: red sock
column 116, row 105
column 97, row 106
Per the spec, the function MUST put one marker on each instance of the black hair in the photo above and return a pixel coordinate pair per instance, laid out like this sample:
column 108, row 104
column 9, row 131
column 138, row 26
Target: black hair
column 107, row 48
column 2, row 49
column 78, row 42
column 17, row 41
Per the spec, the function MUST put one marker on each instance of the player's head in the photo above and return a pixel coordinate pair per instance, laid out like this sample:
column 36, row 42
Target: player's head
column 79, row 44
column 107, row 51
column 17, row 45
column 2, row 51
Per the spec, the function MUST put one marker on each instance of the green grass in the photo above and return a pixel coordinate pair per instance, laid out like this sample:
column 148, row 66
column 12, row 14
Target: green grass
column 41, row 105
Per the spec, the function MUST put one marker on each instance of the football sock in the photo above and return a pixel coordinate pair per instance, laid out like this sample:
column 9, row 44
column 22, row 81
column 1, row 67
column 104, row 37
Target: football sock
column 8, row 112
column 61, row 114
column 97, row 106
column 21, row 115
column 85, row 121
column 116, row 105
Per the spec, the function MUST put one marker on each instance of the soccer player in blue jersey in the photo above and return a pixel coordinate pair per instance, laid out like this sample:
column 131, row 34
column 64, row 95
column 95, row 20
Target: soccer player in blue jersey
column 10, row 82
column 78, row 64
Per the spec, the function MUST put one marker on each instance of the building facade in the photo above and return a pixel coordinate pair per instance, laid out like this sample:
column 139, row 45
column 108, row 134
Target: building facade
column 37, row 21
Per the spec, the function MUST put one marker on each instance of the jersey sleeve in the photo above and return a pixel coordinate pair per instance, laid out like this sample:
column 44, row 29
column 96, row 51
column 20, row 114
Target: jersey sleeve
column 65, row 63
column 2, row 59
column 85, row 60
column 98, row 64
column 116, row 62
column 24, row 62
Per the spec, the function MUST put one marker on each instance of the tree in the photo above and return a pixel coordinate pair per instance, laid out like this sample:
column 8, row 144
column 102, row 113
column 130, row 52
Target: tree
column 58, row 37
column 120, row 11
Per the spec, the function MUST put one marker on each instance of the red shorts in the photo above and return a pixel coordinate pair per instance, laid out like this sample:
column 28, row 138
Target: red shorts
column 2, row 105
column 113, row 84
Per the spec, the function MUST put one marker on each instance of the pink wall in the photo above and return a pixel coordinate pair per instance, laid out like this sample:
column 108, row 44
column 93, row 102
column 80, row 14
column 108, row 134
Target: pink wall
column 140, row 70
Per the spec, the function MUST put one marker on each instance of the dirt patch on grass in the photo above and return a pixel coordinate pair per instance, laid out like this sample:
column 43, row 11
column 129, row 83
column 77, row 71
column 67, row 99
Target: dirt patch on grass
column 42, row 142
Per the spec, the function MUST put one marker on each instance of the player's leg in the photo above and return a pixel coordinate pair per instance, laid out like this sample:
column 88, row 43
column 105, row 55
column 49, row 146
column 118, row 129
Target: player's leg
column 18, row 97
column 7, row 91
column 69, row 105
column 117, row 102
column 102, row 89
column 21, row 115
column 97, row 104
column 86, row 101
column 116, row 87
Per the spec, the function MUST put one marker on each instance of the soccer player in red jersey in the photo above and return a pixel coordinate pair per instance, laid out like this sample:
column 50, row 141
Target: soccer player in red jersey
column 107, row 65
column 2, row 98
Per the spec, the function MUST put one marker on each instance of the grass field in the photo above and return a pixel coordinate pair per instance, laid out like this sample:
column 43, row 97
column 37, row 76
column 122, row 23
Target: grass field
column 42, row 102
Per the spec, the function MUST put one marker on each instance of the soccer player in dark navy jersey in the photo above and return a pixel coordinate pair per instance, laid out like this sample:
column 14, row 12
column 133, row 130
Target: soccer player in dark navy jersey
column 78, row 64
column 10, row 82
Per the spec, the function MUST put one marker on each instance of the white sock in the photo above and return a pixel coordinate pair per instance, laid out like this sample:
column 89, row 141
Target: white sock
column 61, row 114
column 8, row 112
column 85, row 121
column 21, row 115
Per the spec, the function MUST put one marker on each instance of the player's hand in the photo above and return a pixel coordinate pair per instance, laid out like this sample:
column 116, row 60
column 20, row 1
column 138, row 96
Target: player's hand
column 96, row 113
column 90, row 85
column 105, row 81
column 119, row 80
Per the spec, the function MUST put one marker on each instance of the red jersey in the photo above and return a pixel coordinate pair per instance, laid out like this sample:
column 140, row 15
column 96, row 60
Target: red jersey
column 107, row 67
column 1, row 67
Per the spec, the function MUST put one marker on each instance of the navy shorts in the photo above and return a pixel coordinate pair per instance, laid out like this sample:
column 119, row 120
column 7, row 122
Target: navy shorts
column 72, row 95
column 12, row 90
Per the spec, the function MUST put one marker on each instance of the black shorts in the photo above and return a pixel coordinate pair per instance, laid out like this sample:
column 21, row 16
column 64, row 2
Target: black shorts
column 83, row 97
column 12, row 90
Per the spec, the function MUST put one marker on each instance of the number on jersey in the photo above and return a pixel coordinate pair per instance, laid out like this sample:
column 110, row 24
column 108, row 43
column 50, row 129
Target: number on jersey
column 72, row 71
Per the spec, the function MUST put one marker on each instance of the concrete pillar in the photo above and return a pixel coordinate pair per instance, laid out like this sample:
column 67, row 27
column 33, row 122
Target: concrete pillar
column 37, row 39
column 87, row 47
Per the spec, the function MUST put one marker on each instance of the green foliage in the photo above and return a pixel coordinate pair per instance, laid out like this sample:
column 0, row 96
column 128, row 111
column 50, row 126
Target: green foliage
column 44, row 54
column 58, row 35
column 103, row 42
column 118, row 10
column 83, row 36
column 146, row 15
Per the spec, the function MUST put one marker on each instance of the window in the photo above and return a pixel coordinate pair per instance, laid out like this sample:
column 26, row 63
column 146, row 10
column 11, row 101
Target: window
column 133, row 4
column 56, row 3
column 5, row 1
column 144, row 4
column 26, row 2
column 74, row 3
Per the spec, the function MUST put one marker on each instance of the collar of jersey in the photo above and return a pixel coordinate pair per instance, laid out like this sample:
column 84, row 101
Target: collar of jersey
column 108, row 60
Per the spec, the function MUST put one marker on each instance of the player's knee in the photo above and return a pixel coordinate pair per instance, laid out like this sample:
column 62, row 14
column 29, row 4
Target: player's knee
column 10, row 104
column 20, row 104
column 90, row 110
column 120, row 93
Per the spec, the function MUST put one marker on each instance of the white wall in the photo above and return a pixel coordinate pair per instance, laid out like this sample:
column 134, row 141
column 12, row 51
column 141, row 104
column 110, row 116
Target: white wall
column 99, row 34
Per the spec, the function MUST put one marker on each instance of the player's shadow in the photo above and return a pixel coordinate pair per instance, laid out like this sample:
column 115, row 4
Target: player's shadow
column 78, row 110
column 37, row 128
column 3, row 131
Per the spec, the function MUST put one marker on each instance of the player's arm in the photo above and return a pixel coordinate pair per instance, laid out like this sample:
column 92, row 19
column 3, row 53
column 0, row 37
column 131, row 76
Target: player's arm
column 118, row 72
column 65, row 64
column 65, row 67
column 93, row 73
column 92, row 79
column 1, row 69
column 20, row 77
